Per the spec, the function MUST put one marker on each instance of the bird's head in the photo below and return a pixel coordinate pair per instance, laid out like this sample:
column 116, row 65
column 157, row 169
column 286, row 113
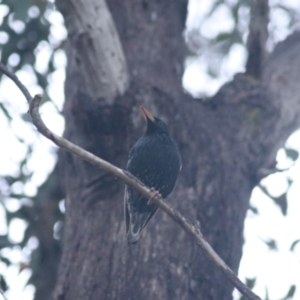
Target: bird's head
column 154, row 125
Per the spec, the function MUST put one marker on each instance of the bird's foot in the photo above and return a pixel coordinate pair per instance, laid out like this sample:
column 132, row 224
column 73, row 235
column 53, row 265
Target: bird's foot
column 154, row 194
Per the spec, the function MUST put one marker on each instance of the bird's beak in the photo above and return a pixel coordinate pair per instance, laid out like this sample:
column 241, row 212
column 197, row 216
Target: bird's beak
column 147, row 114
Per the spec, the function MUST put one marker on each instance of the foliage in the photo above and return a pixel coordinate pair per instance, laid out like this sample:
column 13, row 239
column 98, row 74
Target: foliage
column 216, row 38
column 27, row 37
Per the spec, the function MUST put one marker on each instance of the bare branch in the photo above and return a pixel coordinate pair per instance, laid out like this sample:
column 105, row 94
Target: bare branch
column 263, row 172
column 2, row 294
column 258, row 35
column 129, row 179
column 16, row 80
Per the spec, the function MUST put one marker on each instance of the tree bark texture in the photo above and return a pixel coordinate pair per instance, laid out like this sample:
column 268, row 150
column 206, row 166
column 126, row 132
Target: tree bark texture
column 224, row 143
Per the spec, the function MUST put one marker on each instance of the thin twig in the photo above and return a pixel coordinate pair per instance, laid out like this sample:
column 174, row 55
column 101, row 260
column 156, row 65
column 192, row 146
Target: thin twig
column 16, row 80
column 263, row 172
column 133, row 182
column 2, row 294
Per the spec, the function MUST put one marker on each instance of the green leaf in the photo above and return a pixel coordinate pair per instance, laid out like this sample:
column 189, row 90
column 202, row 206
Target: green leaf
column 27, row 235
column 281, row 201
column 250, row 282
column 3, row 284
column 5, row 111
column 21, row 8
column 291, row 153
column 4, row 242
column 290, row 293
column 271, row 243
column 222, row 36
column 254, row 209
column 294, row 244
column 5, row 260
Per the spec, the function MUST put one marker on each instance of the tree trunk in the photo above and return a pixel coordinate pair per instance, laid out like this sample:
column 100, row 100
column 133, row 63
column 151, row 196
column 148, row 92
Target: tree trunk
column 225, row 142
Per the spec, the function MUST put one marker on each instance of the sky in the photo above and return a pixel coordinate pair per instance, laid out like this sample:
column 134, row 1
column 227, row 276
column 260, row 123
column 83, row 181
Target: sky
column 275, row 270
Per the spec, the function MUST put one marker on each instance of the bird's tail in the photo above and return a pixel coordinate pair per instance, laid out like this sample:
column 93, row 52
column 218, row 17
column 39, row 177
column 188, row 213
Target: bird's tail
column 134, row 228
column 136, row 221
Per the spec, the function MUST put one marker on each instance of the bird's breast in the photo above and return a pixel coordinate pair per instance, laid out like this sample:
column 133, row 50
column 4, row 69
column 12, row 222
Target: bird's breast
column 156, row 162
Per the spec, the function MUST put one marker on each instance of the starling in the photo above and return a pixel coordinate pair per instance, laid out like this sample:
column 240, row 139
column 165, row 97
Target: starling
column 155, row 160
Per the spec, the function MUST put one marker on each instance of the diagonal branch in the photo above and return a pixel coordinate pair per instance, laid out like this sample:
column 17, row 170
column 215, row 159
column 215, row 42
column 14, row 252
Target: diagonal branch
column 133, row 182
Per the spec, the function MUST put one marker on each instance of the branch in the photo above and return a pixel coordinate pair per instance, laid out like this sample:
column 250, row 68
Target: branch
column 258, row 35
column 129, row 179
column 2, row 294
column 264, row 172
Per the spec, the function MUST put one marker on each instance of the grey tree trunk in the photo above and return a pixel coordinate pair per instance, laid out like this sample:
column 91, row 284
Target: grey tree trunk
column 225, row 144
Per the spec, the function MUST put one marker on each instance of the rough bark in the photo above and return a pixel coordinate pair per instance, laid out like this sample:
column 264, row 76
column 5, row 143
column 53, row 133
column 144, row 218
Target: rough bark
column 224, row 143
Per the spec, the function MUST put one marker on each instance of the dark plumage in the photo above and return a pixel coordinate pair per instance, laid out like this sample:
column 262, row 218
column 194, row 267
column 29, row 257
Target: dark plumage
column 155, row 160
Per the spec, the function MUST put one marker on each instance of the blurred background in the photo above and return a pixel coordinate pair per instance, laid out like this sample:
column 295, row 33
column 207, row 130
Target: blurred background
column 32, row 36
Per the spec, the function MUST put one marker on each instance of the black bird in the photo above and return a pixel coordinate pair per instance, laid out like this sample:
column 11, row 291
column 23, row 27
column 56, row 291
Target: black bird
column 155, row 160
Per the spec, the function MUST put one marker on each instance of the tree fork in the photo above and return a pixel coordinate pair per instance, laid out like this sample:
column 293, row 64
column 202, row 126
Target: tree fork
column 131, row 180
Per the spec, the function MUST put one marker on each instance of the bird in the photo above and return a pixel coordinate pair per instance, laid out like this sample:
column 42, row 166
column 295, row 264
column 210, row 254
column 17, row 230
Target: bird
column 156, row 161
